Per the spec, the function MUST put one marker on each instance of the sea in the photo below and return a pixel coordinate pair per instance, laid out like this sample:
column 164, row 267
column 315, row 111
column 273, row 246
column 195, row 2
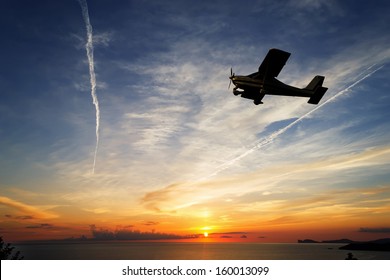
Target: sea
column 125, row 250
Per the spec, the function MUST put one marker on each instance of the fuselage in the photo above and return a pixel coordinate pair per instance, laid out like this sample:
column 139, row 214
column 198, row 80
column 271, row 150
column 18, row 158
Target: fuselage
column 270, row 86
column 245, row 82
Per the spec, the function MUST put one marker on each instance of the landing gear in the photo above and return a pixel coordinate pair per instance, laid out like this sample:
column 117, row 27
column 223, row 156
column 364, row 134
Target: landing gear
column 236, row 92
column 258, row 100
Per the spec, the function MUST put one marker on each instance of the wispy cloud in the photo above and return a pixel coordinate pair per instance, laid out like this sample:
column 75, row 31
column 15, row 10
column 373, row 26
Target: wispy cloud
column 27, row 217
column 269, row 139
column 281, row 181
column 183, row 127
column 27, row 210
column 126, row 234
column 97, row 210
column 41, row 226
column 151, row 223
column 375, row 230
column 311, row 4
column 184, row 124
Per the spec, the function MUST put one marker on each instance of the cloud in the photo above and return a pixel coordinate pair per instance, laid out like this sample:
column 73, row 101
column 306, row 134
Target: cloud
column 150, row 223
column 103, row 38
column 99, row 210
column 27, row 210
column 182, row 123
column 125, row 234
column 315, row 5
column 27, row 217
column 161, row 194
column 41, row 226
column 153, row 130
column 278, row 182
column 229, row 233
column 375, row 230
column 45, row 227
column 203, row 133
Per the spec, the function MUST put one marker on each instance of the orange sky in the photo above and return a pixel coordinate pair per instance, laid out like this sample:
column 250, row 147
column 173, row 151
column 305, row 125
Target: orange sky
column 261, row 217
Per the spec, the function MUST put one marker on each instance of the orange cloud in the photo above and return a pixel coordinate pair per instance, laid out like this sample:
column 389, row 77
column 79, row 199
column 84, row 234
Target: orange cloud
column 26, row 209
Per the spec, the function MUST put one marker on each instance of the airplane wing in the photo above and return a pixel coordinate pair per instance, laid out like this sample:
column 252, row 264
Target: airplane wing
column 273, row 63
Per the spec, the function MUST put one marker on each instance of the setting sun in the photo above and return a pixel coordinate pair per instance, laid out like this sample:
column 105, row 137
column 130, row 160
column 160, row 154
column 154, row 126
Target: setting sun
column 206, row 234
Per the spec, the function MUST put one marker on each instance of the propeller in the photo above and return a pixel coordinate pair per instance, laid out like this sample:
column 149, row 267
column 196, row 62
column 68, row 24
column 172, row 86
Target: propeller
column 231, row 76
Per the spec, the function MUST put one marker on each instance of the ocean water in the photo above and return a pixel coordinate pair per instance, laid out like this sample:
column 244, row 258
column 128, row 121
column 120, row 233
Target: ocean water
column 121, row 250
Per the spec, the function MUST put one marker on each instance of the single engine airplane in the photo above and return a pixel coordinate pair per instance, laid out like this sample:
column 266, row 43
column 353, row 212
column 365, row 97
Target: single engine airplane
column 262, row 82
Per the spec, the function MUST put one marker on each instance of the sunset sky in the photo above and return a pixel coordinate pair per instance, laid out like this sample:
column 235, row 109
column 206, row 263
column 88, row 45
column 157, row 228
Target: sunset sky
column 178, row 153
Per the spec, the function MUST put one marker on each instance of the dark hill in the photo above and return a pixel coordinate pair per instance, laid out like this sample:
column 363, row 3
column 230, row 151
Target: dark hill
column 344, row 240
column 375, row 245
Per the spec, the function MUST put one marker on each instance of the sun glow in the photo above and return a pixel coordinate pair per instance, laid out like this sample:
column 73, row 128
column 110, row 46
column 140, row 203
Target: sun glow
column 206, row 234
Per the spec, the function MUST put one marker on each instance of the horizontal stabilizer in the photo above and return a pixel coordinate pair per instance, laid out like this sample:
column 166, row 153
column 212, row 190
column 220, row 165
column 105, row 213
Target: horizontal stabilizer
column 317, row 95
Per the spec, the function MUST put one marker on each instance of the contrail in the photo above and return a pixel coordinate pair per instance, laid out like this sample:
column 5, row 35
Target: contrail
column 269, row 139
column 89, row 49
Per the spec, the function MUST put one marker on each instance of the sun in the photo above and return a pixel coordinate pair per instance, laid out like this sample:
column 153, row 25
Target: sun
column 206, row 234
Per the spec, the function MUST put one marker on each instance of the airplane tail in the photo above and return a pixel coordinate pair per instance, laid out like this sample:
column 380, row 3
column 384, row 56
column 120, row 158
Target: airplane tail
column 318, row 90
column 318, row 94
column 316, row 82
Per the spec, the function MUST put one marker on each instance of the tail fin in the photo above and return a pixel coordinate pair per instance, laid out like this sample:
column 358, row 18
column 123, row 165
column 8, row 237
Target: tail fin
column 318, row 90
column 316, row 82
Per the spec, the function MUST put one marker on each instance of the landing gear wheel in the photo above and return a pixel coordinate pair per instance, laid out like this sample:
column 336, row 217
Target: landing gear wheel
column 236, row 92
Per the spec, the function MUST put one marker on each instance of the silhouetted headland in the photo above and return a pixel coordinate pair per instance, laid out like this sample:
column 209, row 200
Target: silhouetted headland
column 344, row 240
column 375, row 245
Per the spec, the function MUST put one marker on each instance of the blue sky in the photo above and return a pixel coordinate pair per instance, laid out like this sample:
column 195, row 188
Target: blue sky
column 175, row 143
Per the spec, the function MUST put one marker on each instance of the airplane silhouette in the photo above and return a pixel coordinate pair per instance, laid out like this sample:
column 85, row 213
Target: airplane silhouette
column 262, row 82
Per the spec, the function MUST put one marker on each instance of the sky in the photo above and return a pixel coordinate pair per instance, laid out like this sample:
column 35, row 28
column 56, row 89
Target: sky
column 127, row 124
